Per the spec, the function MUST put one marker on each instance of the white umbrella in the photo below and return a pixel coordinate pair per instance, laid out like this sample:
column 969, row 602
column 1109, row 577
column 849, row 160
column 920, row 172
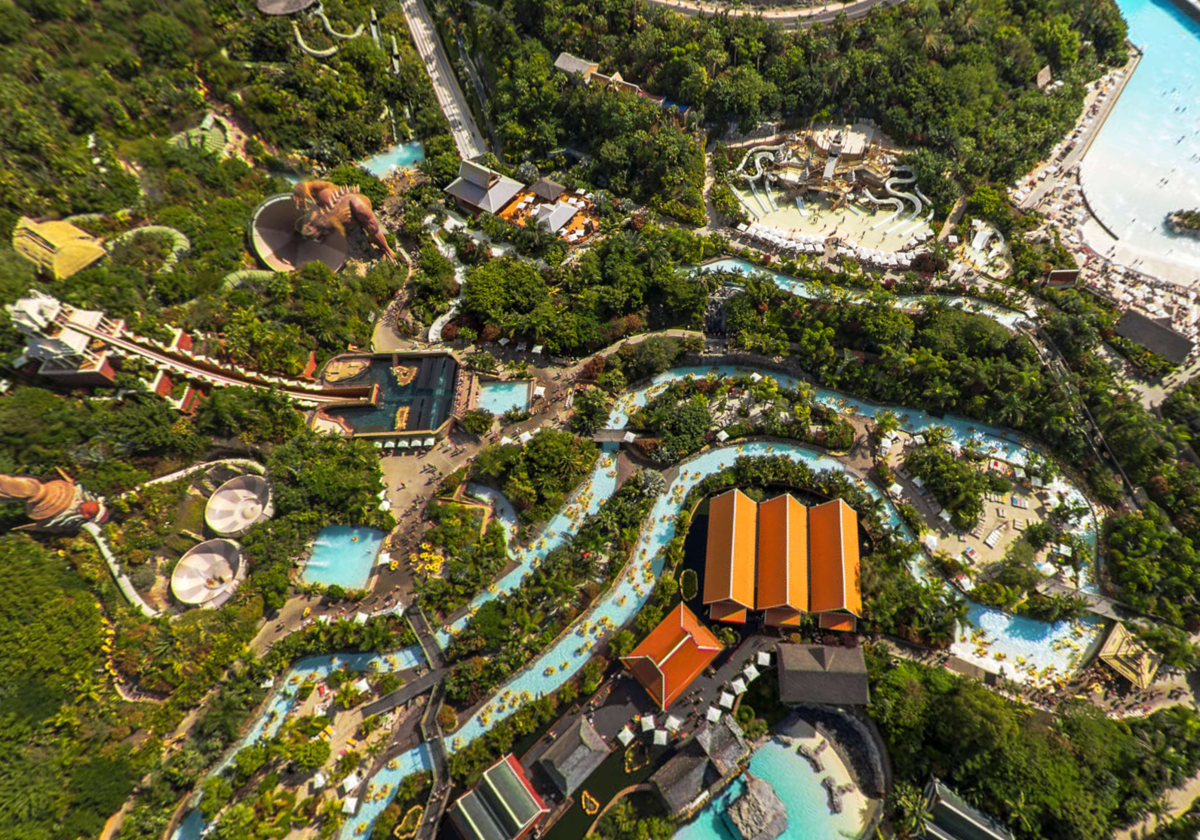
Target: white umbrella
column 713, row 715
column 726, row 701
column 648, row 723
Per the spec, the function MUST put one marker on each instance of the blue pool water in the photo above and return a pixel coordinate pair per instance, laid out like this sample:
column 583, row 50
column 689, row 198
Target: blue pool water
column 499, row 397
column 805, row 289
column 400, row 156
column 343, row 555
column 795, row 784
column 1152, row 133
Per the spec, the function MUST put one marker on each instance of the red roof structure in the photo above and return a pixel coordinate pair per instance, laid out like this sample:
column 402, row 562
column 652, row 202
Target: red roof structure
column 673, row 655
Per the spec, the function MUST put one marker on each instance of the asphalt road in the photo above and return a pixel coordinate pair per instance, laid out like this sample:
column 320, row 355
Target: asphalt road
column 445, row 85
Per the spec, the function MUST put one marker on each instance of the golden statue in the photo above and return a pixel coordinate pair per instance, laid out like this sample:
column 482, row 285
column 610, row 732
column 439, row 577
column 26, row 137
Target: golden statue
column 55, row 505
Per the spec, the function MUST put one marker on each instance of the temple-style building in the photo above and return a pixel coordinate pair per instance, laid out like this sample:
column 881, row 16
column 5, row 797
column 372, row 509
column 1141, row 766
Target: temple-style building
column 70, row 344
column 59, row 249
column 502, row 806
column 674, row 654
column 783, row 560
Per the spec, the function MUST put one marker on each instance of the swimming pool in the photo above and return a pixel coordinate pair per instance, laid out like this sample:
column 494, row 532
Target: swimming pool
column 1143, row 163
column 400, row 156
column 500, row 397
column 415, row 394
column 343, row 555
column 796, row 784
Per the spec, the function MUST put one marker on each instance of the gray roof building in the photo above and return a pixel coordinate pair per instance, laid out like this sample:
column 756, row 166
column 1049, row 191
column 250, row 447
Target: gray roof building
column 1154, row 336
column 482, row 189
column 571, row 64
column 554, row 216
column 574, row 756
column 713, row 753
column 821, row 674
column 954, row 819
column 547, row 190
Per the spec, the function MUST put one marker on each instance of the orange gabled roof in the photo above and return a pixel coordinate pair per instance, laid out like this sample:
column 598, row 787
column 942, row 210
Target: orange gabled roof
column 727, row 612
column 833, row 558
column 782, row 554
column 732, row 543
column 673, row 655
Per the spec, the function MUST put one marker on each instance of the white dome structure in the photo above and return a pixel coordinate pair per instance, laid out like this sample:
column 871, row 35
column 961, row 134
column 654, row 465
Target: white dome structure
column 209, row 574
column 237, row 504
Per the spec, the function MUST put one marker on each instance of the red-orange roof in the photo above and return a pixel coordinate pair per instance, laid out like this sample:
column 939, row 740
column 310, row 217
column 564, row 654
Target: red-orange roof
column 782, row 555
column 833, row 558
column 673, row 655
column 729, row 562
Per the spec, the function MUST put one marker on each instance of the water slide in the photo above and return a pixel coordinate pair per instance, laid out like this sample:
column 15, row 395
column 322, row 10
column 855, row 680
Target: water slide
column 174, row 360
column 894, row 202
column 180, row 244
column 800, row 206
column 749, row 207
column 757, row 197
column 320, row 13
column 890, row 185
column 311, row 51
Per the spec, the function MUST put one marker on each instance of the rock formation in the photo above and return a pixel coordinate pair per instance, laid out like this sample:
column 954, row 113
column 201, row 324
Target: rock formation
column 758, row 814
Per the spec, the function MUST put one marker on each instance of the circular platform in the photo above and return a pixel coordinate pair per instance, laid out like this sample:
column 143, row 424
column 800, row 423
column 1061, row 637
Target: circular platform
column 281, row 248
column 237, row 504
column 283, row 7
column 208, row 574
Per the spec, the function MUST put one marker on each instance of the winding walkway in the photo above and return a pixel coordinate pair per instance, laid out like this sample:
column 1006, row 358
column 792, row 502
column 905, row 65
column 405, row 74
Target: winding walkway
column 788, row 18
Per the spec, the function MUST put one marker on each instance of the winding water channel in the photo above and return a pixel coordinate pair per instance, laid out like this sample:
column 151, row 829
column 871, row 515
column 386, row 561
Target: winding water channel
column 1041, row 645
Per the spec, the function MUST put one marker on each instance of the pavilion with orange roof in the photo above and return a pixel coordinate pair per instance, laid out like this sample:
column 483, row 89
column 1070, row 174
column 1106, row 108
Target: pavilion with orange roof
column 675, row 653
column 783, row 560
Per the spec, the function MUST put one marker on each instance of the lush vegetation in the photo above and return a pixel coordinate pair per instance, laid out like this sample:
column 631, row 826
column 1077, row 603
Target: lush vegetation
column 959, row 485
column 122, row 72
column 65, row 732
column 1076, row 775
column 680, row 418
column 934, row 74
column 624, row 285
column 538, row 477
column 1184, row 221
column 472, row 558
column 506, row 633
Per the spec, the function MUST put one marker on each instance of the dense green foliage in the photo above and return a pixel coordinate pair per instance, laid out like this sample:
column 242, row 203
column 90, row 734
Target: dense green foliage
column 68, row 765
column 1077, row 775
column 472, row 559
column 932, row 73
column 623, row 285
column 538, row 477
column 509, row 631
column 128, row 70
column 106, row 445
column 958, row 485
column 938, row 358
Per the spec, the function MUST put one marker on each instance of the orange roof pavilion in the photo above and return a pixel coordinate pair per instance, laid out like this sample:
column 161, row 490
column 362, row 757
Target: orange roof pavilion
column 673, row 655
column 782, row 561
column 730, row 558
column 834, row 564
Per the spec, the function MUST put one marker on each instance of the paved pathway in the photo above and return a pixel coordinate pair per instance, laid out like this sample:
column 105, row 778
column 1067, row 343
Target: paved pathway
column 445, row 85
column 784, row 17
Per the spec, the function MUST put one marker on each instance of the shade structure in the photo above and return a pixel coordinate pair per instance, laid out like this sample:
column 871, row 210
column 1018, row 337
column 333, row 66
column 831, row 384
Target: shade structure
column 625, row 736
column 660, row 737
column 673, row 723
column 278, row 243
column 209, row 573
column 713, row 715
column 648, row 723
column 750, row 673
column 763, row 658
column 238, row 504
column 738, row 686
column 726, row 701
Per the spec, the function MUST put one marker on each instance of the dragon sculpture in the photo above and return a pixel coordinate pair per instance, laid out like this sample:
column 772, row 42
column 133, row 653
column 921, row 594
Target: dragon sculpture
column 330, row 207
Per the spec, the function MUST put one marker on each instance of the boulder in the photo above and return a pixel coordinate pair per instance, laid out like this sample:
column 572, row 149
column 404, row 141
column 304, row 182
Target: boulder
column 758, row 814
